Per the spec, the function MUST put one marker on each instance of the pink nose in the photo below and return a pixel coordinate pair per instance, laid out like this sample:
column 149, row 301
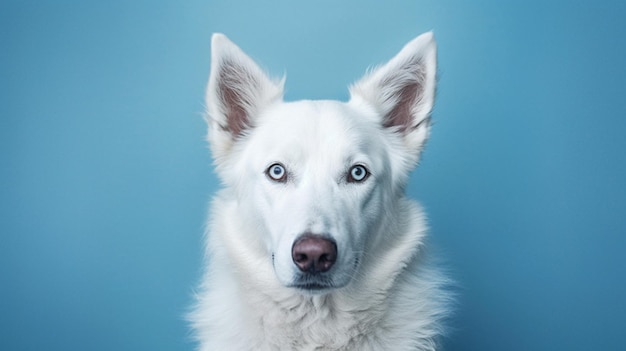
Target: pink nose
column 314, row 253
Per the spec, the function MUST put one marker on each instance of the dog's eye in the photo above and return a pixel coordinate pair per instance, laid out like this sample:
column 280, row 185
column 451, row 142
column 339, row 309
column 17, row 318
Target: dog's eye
column 357, row 173
column 277, row 172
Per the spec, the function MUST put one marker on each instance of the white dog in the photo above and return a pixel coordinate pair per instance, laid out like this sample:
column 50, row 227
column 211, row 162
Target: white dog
column 312, row 244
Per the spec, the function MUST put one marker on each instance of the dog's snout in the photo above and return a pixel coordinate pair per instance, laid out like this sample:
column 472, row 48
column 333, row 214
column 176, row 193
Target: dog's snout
column 314, row 253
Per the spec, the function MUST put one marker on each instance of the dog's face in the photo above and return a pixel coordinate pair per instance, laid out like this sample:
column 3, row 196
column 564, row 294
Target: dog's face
column 318, row 178
column 315, row 169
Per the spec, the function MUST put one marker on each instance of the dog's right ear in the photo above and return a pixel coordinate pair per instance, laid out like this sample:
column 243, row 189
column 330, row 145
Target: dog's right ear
column 238, row 89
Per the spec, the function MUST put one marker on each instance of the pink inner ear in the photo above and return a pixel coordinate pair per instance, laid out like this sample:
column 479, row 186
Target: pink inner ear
column 408, row 94
column 401, row 116
column 232, row 82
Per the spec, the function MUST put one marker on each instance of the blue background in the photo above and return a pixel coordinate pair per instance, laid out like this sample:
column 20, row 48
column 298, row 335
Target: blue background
column 105, row 176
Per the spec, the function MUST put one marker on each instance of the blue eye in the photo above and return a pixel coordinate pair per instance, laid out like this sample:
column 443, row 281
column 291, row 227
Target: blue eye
column 357, row 173
column 277, row 172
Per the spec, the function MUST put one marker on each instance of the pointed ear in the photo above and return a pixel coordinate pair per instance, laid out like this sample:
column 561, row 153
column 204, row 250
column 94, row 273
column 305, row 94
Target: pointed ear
column 238, row 90
column 402, row 91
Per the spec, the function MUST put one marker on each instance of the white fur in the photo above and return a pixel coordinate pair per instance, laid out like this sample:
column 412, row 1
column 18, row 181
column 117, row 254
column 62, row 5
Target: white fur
column 384, row 293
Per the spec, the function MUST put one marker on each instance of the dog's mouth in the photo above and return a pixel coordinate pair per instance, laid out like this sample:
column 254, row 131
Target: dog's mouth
column 319, row 282
column 312, row 287
column 314, row 283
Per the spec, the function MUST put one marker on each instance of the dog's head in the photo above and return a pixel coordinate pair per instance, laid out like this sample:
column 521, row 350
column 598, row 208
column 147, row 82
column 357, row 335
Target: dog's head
column 320, row 180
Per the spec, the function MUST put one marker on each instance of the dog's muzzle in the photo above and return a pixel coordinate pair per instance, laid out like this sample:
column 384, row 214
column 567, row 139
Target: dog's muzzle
column 314, row 255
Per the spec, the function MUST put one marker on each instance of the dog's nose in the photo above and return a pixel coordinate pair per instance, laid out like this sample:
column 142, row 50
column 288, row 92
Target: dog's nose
column 314, row 253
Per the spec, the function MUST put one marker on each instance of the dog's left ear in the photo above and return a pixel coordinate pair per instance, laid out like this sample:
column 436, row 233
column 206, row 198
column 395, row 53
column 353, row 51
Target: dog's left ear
column 402, row 91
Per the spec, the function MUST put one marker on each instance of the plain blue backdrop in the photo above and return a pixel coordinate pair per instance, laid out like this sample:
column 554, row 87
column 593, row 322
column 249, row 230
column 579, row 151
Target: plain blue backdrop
column 105, row 176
